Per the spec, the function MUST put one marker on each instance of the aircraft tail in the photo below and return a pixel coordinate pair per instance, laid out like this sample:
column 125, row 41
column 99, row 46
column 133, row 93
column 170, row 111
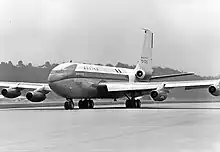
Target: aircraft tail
column 144, row 68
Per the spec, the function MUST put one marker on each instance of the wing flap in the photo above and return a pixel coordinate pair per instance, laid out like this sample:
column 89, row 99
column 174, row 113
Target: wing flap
column 128, row 86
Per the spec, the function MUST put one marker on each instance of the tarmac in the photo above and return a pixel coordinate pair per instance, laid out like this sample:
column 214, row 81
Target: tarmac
column 171, row 127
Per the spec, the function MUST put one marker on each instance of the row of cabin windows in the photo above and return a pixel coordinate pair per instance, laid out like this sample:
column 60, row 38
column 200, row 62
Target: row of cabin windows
column 118, row 70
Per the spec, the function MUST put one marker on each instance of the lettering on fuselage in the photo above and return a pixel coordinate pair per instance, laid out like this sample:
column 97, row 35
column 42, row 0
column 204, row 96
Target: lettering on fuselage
column 91, row 68
column 144, row 60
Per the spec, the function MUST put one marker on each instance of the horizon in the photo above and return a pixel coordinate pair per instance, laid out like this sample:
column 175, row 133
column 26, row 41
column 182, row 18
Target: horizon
column 100, row 64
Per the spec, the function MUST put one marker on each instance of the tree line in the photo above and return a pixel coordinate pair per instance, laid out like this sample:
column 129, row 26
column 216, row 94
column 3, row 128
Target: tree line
column 30, row 73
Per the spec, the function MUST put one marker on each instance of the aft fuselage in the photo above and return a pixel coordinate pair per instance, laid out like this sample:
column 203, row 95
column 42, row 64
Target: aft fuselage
column 74, row 80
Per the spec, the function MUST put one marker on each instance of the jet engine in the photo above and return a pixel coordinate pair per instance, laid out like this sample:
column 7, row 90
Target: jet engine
column 10, row 92
column 159, row 95
column 140, row 74
column 35, row 96
column 214, row 90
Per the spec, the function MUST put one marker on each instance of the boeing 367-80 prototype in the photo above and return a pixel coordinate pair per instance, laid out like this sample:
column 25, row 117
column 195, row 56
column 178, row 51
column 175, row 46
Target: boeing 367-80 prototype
column 86, row 82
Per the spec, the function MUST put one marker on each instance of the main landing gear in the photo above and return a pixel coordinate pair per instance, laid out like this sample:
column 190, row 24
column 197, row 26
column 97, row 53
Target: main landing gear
column 86, row 104
column 132, row 102
column 82, row 104
column 69, row 104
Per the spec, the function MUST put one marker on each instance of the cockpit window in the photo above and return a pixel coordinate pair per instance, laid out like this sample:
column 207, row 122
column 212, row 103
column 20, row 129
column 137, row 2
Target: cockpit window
column 57, row 71
column 71, row 67
column 64, row 68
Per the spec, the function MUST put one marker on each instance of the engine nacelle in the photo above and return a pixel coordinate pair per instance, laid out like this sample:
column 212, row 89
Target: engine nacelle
column 10, row 92
column 214, row 90
column 35, row 96
column 140, row 74
column 159, row 95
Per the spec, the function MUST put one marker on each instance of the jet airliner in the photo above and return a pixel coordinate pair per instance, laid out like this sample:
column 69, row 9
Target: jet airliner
column 86, row 82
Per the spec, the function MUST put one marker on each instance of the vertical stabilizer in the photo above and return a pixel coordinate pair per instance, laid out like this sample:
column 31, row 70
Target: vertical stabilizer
column 144, row 67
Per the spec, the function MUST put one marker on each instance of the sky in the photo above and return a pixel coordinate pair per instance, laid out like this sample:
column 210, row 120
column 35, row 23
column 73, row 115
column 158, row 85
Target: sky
column 187, row 32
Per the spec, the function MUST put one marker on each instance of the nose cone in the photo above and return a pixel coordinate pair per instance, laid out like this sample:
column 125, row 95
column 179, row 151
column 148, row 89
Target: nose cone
column 55, row 81
column 54, row 77
column 56, row 85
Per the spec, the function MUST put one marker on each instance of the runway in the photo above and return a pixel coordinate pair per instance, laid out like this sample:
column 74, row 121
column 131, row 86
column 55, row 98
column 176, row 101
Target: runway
column 173, row 127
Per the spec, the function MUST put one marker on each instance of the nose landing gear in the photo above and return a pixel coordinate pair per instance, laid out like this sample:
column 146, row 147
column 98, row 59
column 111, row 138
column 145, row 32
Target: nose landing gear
column 82, row 104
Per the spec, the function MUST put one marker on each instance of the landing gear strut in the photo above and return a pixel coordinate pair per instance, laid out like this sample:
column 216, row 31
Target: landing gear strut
column 86, row 104
column 132, row 103
column 69, row 104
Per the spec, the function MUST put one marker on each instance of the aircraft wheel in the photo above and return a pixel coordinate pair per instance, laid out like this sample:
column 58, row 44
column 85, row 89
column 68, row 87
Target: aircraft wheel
column 71, row 105
column 90, row 104
column 66, row 105
column 133, row 103
column 85, row 104
column 128, row 104
column 138, row 103
column 80, row 104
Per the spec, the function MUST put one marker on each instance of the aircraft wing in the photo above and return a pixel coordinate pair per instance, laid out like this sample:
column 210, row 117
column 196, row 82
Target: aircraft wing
column 25, row 85
column 148, row 86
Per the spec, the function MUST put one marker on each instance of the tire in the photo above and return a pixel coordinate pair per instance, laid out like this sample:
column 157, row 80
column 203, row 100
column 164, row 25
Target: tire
column 90, row 104
column 138, row 103
column 132, row 103
column 71, row 105
column 128, row 104
column 80, row 104
column 85, row 104
column 66, row 105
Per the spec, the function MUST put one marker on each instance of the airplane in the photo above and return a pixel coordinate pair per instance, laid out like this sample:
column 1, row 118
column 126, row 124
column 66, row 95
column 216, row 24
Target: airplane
column 87, row 81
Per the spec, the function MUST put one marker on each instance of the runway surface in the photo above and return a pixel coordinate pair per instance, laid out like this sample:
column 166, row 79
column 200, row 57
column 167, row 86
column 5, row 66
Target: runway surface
column 173, row 127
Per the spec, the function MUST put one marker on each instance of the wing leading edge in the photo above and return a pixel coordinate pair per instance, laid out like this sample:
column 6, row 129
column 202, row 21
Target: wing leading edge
column 148, row 86
column 25, row 85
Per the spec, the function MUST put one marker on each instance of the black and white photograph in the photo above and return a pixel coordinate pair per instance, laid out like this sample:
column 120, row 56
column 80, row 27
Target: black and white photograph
column 109, row 75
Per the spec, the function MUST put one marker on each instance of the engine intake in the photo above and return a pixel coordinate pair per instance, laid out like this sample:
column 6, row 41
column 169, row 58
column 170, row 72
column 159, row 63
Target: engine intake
column 10, row 92
column 159, row 95
column 35, row 96
column 140, row 74
column 214, row 90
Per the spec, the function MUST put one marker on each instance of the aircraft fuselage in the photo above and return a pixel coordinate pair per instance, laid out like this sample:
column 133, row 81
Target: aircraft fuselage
column 73, row 80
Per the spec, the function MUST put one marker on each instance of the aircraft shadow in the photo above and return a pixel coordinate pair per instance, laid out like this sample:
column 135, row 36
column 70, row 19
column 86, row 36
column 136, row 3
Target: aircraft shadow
column 147, row 108
column 114, row 108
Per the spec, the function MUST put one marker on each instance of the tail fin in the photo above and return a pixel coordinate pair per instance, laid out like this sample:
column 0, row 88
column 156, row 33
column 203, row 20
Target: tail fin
column 145, row 62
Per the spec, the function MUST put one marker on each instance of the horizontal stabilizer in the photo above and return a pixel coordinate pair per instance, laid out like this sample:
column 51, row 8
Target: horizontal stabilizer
column 171, row 75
